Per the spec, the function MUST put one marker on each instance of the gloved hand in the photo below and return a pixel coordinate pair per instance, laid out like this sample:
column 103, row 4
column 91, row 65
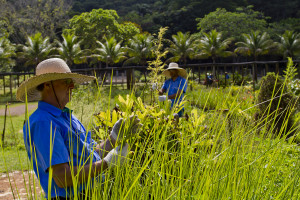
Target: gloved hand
column 154, row 86
column 131, row 126
column 162, row 98
column 116, row 156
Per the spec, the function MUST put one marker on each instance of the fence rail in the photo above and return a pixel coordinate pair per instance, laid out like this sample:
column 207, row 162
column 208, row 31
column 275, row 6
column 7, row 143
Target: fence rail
column 125, row 75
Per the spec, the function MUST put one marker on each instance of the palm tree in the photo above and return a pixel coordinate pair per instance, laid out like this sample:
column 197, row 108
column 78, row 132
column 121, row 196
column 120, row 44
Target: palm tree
column 289, row 44
column 69, row 49
column 35, row 50
column 139, row 49
column 212, row 45
column 7, row 51
column 255, row 44
column 181, row 47
column 110, row 51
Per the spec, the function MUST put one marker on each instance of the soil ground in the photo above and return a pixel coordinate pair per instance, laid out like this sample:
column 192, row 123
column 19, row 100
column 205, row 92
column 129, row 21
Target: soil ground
column 17, row 180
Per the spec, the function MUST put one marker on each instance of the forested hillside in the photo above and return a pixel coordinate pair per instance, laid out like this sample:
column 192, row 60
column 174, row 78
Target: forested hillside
column 122, row 32
column 180, row 15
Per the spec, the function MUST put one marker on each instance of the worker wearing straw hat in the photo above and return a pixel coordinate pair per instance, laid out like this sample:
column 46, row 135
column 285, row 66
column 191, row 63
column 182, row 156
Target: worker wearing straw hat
column 56, row 140
column 175, row 86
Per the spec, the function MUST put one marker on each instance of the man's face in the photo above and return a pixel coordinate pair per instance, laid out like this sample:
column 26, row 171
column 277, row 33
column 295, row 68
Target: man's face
column 173, row 73
column 63, row 89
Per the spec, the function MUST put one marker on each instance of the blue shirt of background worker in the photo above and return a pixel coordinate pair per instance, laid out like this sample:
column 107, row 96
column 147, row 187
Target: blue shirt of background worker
column 172, row 87
column 176, row 84
column 70, row 143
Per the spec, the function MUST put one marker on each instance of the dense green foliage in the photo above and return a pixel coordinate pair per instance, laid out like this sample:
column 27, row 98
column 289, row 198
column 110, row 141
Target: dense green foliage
column 180, row 15
column 7, row 51
column 70, row 30
column 232, row 24
column 279, row 113
column 98, row 24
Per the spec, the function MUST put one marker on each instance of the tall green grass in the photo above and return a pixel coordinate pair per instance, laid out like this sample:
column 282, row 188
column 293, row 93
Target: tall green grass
column 219, row 152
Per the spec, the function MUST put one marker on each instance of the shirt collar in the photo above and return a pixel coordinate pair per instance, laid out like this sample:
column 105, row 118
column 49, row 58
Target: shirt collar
column 52, row 109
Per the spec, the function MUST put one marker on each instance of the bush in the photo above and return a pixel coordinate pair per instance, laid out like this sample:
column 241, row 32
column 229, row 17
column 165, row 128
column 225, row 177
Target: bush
column 276, row 105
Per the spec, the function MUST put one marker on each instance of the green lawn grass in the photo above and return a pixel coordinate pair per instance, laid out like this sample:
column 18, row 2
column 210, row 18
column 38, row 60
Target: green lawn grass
column 15, row 159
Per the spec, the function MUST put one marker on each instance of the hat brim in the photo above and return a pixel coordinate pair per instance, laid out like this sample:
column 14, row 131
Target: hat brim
column 181, row 72
column 30, row 86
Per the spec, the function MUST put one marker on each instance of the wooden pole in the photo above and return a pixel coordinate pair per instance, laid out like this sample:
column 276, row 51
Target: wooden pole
column 267, row 69
column 277, row 68
column 4, row 85
column 3, row 133
column 199, row 75
column 233, row 72
column 10, row 86
column 242, row 74
column 253, row 77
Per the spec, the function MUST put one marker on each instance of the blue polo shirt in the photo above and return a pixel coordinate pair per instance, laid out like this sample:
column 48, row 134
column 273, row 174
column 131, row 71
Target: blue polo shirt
column 171, row 87
column 59, row 130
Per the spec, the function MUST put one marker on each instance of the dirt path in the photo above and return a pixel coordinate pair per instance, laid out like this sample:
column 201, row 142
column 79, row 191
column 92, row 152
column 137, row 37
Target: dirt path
column 17, row 110
column 17, row 181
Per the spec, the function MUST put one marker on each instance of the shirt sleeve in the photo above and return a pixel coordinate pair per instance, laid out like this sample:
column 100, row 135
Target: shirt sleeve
column 50, row 148
column 165, row 86
column 183, row 85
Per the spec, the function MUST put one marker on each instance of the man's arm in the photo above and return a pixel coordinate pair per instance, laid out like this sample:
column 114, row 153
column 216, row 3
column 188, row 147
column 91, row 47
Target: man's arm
column 161, row 91
column 105, row 147
column 62, row 173
column 176, row 95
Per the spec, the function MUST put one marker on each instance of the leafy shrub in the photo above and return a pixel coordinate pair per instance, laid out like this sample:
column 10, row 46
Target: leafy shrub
column 295, row 86
column 275, row 105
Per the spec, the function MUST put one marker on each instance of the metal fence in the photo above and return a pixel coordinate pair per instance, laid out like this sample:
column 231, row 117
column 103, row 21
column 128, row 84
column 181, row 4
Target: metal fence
column 125, row 75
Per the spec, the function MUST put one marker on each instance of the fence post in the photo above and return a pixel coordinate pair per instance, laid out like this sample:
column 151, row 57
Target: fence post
column 191, row 85
column 199, row 68
column 277, row 68
column 267, row 69
column 4, row 85
column 233, row 72
column 253, row 77
column 242, row 74
column 130, row 78
column 4, row 124
column 10, row 86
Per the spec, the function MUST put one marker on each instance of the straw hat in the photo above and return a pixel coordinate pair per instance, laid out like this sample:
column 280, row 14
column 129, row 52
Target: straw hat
column 181, row 71
column 48, row 70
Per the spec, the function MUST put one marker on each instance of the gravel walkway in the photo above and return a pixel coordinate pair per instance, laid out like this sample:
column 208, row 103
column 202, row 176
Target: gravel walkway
column 17, row 110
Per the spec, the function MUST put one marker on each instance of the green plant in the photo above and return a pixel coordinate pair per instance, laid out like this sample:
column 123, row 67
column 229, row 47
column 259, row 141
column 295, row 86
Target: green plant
column 157, row 66
column 276, row 105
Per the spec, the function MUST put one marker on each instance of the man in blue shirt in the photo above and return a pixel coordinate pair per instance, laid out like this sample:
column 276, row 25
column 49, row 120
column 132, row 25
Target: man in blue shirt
column 175, row 86
column 55, row 139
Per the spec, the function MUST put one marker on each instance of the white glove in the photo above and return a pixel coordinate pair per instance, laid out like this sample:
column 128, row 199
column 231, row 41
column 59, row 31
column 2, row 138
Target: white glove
column 118, row 128
column 154, row 86
column 116, row 156
column 162, row 98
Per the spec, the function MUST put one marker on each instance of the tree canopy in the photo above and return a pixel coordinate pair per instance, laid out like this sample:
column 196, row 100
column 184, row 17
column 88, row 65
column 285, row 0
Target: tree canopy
column 232, row 24
column 98, row 24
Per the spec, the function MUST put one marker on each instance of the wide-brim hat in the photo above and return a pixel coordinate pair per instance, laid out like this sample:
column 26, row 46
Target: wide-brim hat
column 48, row 70
column 181, row 72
